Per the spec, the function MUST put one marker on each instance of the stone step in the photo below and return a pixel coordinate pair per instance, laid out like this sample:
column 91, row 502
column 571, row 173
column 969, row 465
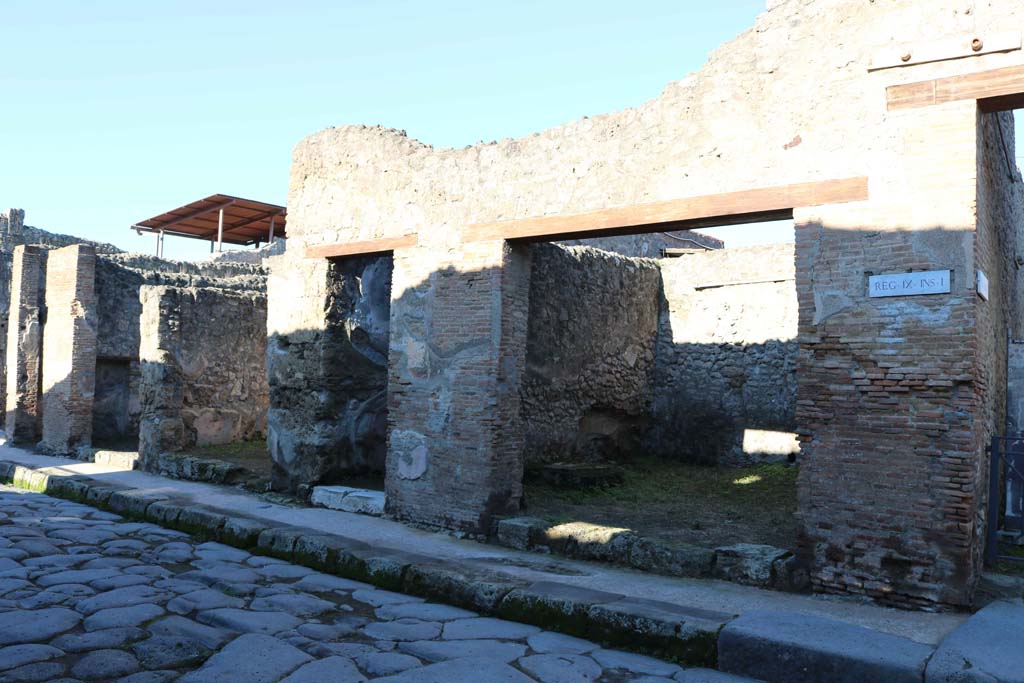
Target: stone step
column 348, row 499
column 781, row 647
column 122, row 460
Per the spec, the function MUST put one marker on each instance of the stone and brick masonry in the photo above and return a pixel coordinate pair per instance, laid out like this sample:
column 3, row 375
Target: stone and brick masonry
column 895, row 398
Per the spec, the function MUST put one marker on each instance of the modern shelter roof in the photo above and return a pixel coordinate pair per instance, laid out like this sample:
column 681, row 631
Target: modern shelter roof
column 246, row 221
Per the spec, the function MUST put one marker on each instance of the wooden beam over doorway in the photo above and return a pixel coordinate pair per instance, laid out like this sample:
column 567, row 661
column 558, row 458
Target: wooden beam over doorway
column 365, row 248
column 995, row 90
column 748, row 206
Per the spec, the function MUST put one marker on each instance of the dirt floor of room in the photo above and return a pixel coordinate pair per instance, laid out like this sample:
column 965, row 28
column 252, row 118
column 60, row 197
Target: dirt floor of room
column 681, row 503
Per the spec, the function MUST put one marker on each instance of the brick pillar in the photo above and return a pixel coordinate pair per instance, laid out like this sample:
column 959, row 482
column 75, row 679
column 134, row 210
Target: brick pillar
column 69, row 349
column 161, row 429
column 888, row 388
column 456, row 358
column 25, row 344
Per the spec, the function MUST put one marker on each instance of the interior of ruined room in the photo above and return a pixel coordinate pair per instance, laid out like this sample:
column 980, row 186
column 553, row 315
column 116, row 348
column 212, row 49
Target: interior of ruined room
column 660, row 386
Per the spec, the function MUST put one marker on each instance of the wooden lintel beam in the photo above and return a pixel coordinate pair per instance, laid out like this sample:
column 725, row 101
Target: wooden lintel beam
column 748, row 206
column 995, row 90
column 367, row 248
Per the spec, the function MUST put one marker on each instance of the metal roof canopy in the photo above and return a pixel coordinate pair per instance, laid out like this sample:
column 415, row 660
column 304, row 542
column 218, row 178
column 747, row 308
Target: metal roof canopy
column 220, row 218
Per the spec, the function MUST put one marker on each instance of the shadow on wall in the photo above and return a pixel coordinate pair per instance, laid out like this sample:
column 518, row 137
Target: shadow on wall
column 327, row 420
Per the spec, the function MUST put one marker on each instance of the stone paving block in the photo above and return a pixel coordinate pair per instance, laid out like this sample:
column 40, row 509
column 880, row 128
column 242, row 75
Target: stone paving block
column 435, row 650
column 208, row 636
column 333, row 669
column 547, row 642
column 18, row 655
column 561, row 668
column 122, row 617
column 633, row 663
column 251, row 658
column 245, row 621
column 427, row 611
column 709, row 676
column 403, row 629
column 797, row 648
column 98, row 640
column 169, row 652
column 487, row 627
column 469, row 670
column 105, row 665
column 28, row 626
column 987, row 648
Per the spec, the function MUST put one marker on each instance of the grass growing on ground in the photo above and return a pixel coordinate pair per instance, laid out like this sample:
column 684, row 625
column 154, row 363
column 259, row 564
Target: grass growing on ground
column 678, row 502
column 252, row 455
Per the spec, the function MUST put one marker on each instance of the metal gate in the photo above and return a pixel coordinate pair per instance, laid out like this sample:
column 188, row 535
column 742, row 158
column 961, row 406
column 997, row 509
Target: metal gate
column 1005, row 497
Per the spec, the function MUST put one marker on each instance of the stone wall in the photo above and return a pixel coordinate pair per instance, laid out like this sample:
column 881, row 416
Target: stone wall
column 649, row 244
column 327, row 369
column 203, row 372
column 593, row 321
column 725, row 375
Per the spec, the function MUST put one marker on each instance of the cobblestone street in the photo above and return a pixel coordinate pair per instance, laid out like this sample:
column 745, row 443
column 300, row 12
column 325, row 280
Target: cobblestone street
column 86, row 595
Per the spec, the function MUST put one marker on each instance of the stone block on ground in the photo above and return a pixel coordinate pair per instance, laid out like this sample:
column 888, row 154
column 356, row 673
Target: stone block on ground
column 520, row 533
column 252, row 658
column 748, row 563
column 783, row 647
column 987, row 648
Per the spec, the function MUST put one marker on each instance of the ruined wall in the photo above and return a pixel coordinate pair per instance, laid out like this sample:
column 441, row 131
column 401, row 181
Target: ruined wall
column 725, row 375
column 69, row 349
column 327, row 368
column 778, row 105
column 589, row 353
column 14, row 232
column 650, row 244
column 119, row 278
column 25, row 345
column 203, row 372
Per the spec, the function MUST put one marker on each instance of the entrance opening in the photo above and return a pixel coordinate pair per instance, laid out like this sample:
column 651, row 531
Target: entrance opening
column 115, row 425
column 660, row 387
column 355, row 362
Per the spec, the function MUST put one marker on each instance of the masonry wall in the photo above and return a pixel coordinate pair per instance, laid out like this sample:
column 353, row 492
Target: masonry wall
column 593, row 321
column 25, row 345
column 455, row 364
column 778, row 105
column 69, row 349
column 327, row 369
column 119, row 278
column 203, row 372
column 725, row 377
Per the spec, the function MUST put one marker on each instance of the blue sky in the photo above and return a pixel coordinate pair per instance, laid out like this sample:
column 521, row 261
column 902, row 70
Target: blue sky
column 116, row 111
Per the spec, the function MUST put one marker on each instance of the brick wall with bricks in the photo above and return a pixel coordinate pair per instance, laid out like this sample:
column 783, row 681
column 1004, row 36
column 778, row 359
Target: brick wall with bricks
column 69, row 349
